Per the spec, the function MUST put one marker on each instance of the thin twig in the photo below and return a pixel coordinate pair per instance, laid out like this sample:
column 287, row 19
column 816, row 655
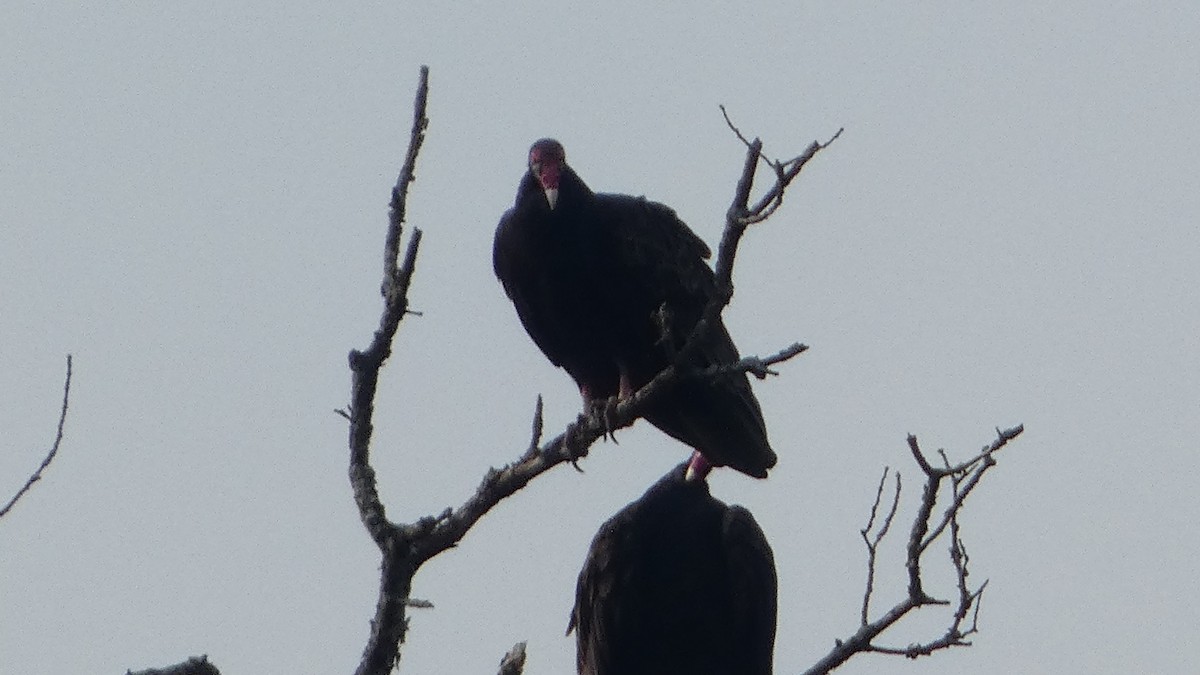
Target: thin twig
column 785, row 173
column 758, row 367
column 872, row 543
column 875, row 506
column 737, row 132
column 58, row 436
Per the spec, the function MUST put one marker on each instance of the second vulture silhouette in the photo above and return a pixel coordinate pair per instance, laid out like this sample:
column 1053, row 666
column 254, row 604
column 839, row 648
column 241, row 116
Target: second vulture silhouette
column 676, row 583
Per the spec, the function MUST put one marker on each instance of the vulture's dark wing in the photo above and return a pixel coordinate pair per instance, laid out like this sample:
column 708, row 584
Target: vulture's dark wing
column 596, row 620
column 676, row 583
column 658, row 262
column 753, row 587
column 516, row 265
column 656, row 259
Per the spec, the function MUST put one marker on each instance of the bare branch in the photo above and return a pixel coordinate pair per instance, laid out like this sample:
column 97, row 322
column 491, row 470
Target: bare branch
column 513, row 662
column 387, row 629
column 963, row 477
column 737, row 132
column 58, row 436
column 536, row 434
column 197, row 665
column 735, row 223
column 977, row 465
column 785, row 173
column 933, row 480
column 872, row 543
column 758, row 367
column 737, row 218
column 958, row 555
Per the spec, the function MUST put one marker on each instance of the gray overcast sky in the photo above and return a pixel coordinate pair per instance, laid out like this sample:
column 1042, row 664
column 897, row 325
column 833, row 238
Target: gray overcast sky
column 193, row 200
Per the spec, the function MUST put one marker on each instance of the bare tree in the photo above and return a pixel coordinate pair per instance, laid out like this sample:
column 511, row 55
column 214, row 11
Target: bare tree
column 405, row 547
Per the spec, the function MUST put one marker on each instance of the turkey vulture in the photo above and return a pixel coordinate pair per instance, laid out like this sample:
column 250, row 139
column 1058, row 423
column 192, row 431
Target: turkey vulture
column 609, row 287
column 676, row 582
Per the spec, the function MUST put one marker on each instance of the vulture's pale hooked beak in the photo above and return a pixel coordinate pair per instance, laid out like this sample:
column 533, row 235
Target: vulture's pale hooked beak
column 698, row 468
column 552, row 197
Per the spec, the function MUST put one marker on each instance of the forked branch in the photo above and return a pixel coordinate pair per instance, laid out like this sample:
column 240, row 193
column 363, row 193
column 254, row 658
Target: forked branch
column 387, row 629
column 963, row 479
column 740, row 215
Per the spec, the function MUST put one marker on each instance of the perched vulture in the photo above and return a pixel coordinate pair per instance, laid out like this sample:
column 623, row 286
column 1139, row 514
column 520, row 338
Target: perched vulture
column 676, row 582
column 609, row 287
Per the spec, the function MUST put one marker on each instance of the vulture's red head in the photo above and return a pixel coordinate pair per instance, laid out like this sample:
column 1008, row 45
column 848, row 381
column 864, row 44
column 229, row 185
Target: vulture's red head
column 546, row 161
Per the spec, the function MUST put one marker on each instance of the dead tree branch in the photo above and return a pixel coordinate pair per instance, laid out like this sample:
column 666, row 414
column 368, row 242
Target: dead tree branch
column 756, row 366
column 387, row 628
column 513, row 662
column 785, row 173
column 740, row 215
column 197, row 665
column 405, row 547
column 58, row 436
column 963, row 479
column 873, row 542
